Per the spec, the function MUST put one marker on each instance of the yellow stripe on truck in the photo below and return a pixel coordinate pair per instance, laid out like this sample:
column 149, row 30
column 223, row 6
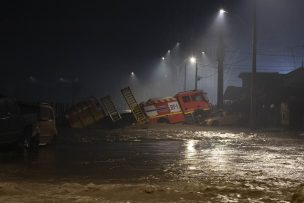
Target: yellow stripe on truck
column 169, row 114
column 190, row 112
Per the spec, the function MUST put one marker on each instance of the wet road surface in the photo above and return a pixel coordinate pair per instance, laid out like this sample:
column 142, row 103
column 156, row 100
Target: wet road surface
column 178, row 163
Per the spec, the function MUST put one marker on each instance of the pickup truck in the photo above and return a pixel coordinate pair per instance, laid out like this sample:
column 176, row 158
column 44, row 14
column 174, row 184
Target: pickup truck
column 45, row 117
column 17, row 130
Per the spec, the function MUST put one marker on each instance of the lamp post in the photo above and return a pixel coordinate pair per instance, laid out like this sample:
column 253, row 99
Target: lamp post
column 194, row 61
column 220, row 79
column 195, row 76
column 253, row 74
column 221, row 53
column 220, row 59
column 185, row 77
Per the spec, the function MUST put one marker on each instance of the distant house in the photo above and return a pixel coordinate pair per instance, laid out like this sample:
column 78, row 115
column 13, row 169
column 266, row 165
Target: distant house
column 232, row 94
column 294, row 97
column 280, row 97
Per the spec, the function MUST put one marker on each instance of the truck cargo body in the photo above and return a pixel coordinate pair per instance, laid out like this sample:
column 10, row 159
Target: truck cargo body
column 163, row 110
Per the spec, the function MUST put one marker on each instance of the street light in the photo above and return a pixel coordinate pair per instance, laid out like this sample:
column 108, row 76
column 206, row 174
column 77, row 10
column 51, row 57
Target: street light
column 253, row 100
column 220, row 58
column 222, row 11
column 163, row 58
column 192, row 59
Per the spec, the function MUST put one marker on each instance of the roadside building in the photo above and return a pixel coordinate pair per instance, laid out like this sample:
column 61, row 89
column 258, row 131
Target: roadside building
column 294, row 97
column 280, row 98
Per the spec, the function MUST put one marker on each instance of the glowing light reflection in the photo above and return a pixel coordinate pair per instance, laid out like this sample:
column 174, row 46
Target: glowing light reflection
column 190, row 151
column 219, row 156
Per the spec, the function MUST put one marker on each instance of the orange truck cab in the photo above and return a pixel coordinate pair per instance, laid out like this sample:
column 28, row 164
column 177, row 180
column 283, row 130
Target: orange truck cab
column 193, row 100
column 194, row 104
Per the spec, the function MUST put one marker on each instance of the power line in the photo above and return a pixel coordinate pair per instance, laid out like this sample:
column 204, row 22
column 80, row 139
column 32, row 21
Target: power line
column 261, row 66
column 267, row 54
column 262, row 70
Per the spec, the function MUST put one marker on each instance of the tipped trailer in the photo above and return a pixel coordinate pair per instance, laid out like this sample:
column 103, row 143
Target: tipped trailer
column 163, row 110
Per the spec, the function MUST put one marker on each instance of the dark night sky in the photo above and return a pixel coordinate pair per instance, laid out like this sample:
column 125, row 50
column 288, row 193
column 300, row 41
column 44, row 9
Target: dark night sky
column 99, row 42
column 69, row 35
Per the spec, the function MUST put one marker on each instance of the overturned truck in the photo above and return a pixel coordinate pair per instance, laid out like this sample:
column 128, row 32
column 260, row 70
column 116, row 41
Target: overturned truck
column 85, row 113
column 188, row 106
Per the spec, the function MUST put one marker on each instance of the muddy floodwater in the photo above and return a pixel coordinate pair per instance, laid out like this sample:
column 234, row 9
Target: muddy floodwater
column 161, row 163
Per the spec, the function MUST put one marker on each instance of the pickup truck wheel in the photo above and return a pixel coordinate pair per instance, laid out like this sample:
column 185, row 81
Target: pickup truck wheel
column 54, row 140
column 28, row 143
column 34, row 143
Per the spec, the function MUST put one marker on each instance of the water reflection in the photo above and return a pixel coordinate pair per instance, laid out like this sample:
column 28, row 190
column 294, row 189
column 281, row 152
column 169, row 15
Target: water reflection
column 190, row 151
column 199, row 155
column 218, row 156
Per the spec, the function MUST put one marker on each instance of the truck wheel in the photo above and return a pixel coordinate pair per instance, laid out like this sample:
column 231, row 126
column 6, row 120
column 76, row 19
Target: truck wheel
column 215, row 123
column 54, row 140
column 34, row 143
column 200, row 116
column 163, row 120
column 27, row 142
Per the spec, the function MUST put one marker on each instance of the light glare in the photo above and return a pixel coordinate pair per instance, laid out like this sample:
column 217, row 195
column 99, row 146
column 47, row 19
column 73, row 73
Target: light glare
column 222, row 11
column 192, row 59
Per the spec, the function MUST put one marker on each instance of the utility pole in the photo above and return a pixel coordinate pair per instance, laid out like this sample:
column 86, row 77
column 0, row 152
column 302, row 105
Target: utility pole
column 220, row 78
column 253, row 74
column 185, row 77
column 195, row 75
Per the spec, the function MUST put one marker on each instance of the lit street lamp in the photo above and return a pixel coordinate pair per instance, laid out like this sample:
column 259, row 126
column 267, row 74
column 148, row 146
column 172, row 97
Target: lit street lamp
column 193, row 60
column 221, row 53
column 220, row 59
column 222, row 11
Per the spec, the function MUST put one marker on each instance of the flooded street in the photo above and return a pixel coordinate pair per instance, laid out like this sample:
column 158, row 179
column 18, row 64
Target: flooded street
column 159, row 163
